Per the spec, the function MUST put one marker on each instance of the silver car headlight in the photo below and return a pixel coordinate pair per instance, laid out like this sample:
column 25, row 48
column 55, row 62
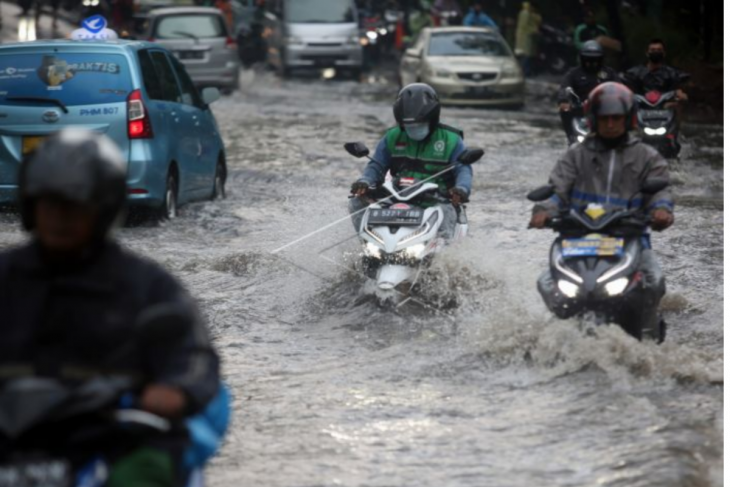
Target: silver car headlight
column 295, row 41
column 442, row 73
column 511, row 71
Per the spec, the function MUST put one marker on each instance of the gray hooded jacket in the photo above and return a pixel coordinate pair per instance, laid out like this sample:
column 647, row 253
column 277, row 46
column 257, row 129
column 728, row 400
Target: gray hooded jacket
column 591, row 172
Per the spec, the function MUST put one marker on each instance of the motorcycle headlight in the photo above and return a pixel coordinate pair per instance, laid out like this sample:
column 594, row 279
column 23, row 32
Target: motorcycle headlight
column 581, row 138
column 568, row 288
column 415, row 251
column 372, row 250
column 372, row 35
column 651, row 131
column 660, row 131
column 617, row 286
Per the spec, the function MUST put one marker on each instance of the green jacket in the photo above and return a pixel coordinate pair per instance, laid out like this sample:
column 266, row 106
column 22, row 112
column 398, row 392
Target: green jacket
column 405, row 157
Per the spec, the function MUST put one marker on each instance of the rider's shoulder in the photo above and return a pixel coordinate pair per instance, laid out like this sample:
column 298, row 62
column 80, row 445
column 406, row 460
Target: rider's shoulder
column 452, row 130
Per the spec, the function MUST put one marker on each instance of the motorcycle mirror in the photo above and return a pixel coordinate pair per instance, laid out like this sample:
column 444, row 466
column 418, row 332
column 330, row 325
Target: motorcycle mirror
column 163, row 324
column 470, row 156
column 654, row 185
column 542, row 193
column 357, row 149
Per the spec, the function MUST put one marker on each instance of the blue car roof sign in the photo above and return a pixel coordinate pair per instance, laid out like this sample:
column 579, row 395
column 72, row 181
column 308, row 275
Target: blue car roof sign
column 94, row 29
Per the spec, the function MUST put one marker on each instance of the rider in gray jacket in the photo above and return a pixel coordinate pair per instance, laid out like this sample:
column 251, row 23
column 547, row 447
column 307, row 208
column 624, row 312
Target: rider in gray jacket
column 608, row 169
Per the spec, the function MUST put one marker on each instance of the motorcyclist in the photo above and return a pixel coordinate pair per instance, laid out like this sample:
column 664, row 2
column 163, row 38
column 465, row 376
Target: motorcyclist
column 589, row 30
column 419, row 147
column 476, row 17
column 71, row 298
column 655, row 74
column 441, row 7
column 608, row 168
column 582, row 80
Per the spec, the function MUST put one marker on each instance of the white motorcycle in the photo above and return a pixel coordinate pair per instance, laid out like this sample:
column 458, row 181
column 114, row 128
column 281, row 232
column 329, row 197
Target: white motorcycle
column 400, row 229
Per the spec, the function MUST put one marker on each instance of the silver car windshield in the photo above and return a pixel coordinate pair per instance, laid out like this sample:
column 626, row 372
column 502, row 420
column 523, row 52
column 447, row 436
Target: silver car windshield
column 319, row 12
column 466, row 44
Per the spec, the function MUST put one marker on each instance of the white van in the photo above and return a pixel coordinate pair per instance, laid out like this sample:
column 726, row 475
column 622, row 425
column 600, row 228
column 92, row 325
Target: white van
column 311, row 34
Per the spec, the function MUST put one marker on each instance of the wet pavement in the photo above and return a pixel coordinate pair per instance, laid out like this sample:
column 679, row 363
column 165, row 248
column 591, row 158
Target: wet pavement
column 331, row 389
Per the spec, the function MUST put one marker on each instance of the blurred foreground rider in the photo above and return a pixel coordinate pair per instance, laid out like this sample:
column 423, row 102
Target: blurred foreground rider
column 582, row 80
column 71, row 297
column 419, row 147
column 608, row 168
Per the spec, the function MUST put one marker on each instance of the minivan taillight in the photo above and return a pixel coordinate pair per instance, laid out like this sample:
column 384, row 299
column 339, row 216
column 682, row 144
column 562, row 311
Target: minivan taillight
column 139, row 125
column 231, row 43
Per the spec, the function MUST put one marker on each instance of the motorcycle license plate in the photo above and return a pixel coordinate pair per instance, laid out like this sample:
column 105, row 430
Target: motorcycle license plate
column 593, row 246
column 45, row 473
column 656, row 114
column 387, row 216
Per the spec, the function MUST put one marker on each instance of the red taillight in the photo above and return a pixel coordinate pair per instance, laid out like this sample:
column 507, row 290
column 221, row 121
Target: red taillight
column 653, row 96
column 151, row 39
column 137, row 191
column 138, row 120
column 231, row 43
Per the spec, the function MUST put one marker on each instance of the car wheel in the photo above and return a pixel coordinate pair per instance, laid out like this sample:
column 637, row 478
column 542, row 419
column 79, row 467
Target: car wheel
column 219, row 182
column 168, row 210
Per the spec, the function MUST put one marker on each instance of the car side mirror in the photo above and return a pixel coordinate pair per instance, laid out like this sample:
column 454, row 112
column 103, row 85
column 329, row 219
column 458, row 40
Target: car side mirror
column 470, row 156
column 357, row 149
column 542, row 193
column 210, row 95
column 414, row 53
column 654, row 185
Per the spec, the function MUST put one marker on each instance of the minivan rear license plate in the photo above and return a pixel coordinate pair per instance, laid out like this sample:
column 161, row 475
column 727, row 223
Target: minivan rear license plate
column 32, row 142
column 190, row 54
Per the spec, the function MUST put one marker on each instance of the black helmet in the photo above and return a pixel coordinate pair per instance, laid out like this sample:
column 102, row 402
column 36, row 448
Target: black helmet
column 79, row 166
column 417, row 103
column 591, row 56
column 611, row 98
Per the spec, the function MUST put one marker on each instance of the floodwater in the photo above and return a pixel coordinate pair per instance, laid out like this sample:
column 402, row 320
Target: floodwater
column 331, row 389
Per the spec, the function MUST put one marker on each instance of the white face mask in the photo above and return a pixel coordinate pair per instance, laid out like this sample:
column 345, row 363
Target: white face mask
column 417, row 131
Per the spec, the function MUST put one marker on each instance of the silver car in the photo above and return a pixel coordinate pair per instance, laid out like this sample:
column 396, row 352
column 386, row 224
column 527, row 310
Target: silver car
column 465, row 65
column 307, row 34
column 201, row 40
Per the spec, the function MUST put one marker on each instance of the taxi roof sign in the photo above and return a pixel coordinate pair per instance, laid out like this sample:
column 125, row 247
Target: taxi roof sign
column 94, row 29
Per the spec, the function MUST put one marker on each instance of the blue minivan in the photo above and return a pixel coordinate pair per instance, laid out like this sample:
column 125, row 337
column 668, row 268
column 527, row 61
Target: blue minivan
column 137, row 93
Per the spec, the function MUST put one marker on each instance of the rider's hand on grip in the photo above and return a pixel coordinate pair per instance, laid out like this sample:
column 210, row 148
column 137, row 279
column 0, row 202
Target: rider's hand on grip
column 539, row 219
column 458, row 196
column 359, row 188
column 162, row 400
column 661, row 220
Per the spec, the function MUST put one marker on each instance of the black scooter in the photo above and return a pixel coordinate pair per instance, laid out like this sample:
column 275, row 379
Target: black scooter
column 594, row 267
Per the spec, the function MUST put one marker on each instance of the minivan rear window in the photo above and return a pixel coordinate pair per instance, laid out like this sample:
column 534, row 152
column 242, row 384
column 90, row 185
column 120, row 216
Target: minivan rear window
column 73, row 78
column 190, row 26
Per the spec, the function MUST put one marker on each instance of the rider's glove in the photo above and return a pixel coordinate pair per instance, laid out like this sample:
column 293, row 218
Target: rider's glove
column 661, row 219
column 458, row 195
column 359, row 188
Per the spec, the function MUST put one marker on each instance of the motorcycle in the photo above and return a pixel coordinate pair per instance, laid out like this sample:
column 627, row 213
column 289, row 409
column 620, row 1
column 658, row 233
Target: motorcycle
column 580, row 121
column 446, row 18
column 594, row 266
column 399, row 232
column 57, row 434
column 658, row 122
column 556, row 53
column 373, row 34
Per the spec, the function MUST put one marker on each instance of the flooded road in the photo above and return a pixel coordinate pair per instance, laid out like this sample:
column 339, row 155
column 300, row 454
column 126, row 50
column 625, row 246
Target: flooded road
column 331, row 389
